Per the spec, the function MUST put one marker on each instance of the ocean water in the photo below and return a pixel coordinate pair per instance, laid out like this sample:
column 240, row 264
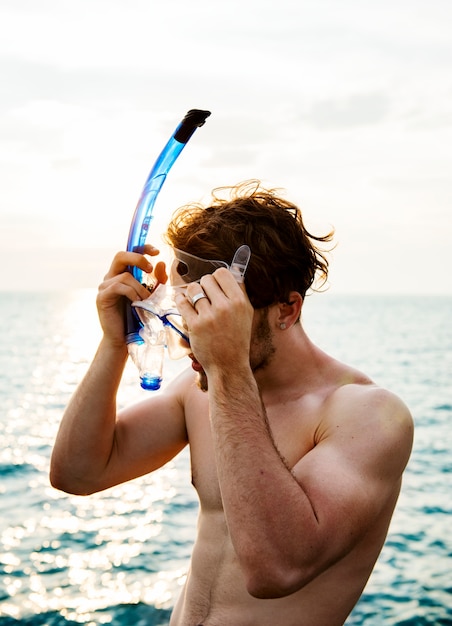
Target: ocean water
column 120, row 557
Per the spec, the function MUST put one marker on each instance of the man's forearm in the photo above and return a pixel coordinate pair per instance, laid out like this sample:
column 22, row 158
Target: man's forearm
column 265, row 507
column 86, row 436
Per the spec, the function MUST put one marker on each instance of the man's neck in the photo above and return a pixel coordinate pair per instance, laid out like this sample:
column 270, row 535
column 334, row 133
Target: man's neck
column 297, row 362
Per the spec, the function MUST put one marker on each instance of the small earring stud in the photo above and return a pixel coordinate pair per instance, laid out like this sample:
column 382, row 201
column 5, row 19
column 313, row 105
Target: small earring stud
column 282, row 326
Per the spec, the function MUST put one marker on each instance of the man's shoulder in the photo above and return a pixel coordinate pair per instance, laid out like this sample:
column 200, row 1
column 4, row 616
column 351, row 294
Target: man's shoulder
column 184, row 387
column 353, row 389
column 363, row 393
column 364, row 412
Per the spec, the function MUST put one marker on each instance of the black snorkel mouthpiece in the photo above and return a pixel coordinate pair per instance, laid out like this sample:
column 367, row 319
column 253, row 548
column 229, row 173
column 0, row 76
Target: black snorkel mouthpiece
column 195, row 118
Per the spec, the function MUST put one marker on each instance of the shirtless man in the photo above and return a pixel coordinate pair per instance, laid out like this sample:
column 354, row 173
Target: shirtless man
column 297, row 459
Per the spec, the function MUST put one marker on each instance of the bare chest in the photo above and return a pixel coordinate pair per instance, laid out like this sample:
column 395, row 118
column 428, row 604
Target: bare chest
column 292, row 430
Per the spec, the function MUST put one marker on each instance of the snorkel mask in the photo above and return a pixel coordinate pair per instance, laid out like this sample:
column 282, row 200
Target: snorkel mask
column 162, row 325
column 146, row 355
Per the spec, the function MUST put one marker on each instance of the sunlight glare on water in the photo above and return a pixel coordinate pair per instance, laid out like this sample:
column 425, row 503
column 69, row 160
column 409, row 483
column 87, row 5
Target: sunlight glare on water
column 65, row 553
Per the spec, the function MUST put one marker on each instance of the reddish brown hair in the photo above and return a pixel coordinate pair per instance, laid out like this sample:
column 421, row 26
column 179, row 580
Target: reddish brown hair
column 285, row 257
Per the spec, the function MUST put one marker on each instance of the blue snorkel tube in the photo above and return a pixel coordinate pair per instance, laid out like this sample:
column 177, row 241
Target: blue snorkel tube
column 148, row 358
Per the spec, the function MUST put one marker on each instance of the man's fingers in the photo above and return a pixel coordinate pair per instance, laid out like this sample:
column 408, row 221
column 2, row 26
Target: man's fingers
column 123, row 285
column 160, row 272
column 148, row 248
column 123, row 260
column 183, row 304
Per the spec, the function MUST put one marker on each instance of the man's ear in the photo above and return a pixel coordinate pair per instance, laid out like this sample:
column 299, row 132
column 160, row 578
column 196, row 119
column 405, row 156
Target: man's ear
column 289, row 312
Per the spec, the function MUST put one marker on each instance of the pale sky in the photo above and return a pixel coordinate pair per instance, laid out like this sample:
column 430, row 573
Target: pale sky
column 345, row 104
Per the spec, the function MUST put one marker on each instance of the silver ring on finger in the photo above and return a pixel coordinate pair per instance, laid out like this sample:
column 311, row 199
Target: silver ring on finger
column 196, row 298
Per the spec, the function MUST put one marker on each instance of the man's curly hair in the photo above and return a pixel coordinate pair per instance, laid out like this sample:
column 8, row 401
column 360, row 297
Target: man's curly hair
column 285, row 257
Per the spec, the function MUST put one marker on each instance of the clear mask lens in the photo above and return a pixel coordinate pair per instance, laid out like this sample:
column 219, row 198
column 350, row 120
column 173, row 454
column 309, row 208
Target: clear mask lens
column 190, row 268
column 158, row 314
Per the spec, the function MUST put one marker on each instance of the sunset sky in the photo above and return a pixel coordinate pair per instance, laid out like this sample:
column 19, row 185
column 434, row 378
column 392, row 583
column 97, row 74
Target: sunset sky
column 347, row 106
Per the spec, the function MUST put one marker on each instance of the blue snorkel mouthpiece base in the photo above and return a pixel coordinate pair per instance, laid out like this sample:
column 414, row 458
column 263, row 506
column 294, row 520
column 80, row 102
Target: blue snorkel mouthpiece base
column 151, row 383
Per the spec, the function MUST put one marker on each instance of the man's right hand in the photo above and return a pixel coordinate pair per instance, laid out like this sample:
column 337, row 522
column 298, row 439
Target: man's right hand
column 119, row 283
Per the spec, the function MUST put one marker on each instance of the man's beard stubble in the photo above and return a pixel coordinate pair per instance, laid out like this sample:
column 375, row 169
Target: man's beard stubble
column 262, row 349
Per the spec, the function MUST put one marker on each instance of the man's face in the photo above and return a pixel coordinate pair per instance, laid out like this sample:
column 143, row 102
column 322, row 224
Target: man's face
column 186, row 268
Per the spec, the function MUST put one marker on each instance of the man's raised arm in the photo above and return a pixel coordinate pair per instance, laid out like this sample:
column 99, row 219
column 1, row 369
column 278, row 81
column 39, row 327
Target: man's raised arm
column 95, row 448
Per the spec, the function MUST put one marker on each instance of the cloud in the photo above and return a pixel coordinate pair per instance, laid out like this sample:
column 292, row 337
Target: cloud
column 349, row 112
